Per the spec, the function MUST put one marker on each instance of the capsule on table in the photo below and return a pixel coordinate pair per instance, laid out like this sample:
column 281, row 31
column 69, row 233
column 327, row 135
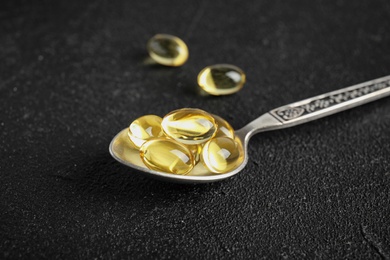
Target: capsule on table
column 224, row 128
column 167, row 50
column 190, row 126
column 167, row 155
column 222, row 154
column 221, row 79
column 145, row 128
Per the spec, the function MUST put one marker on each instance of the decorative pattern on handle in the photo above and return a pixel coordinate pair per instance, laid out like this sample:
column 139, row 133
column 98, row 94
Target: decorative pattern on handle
column 315, row 104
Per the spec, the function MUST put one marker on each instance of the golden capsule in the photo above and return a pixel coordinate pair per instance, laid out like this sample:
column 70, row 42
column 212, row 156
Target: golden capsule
column 221, row 79
column 167, row 50
column 224, row 128
column 189, row 126
column 166, row 155
column 145, row 128
column 196, row 150
column 222, row 154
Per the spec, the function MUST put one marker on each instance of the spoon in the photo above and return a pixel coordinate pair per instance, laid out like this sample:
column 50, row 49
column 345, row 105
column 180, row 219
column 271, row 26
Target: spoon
column 286, row 116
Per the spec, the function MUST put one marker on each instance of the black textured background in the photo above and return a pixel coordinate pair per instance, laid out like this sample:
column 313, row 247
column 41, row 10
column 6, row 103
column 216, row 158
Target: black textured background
column 73, row 73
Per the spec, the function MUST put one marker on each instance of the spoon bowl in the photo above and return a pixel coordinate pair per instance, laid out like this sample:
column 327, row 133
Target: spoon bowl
column 122, row 150
column 286, row 116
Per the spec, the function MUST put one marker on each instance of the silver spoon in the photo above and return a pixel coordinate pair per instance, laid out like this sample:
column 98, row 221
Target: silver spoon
column 286, row 116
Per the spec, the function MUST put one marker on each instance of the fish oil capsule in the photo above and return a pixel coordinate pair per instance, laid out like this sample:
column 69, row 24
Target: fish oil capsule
column 196, row 150
column 167, row 155
column 189, row 126
column 221, row 79
column 224, row 128
column 167, row 50
column 145, row 128
column 222, row 154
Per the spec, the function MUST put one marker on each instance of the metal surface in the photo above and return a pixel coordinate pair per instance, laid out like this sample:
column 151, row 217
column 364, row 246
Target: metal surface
column 286, row 116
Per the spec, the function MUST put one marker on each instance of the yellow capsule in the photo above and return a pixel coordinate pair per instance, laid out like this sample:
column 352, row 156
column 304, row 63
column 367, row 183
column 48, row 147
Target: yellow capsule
column 189, row 126
column 221, row 79
column 222, row 154
column 145, row 128
column 196, row 150
column 224, row 128
column 167, row 50
column 167, row 155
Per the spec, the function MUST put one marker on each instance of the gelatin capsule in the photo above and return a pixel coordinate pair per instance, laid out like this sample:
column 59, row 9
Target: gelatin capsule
column 167, row 50
column 222, row 154
column 196, row 150
column 221, row 79
column 145, row 128
column 167, row 155
column 189, row 126
column 224, row 128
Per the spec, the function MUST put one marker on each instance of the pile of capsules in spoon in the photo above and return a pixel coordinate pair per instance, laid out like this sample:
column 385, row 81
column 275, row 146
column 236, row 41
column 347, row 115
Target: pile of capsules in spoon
column 183, row 138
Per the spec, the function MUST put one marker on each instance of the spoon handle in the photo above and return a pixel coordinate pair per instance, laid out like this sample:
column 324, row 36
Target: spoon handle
column 320, row 106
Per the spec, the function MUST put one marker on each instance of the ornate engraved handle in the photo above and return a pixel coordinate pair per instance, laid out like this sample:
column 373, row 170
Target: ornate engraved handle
column 317, row 107
column 332, row 102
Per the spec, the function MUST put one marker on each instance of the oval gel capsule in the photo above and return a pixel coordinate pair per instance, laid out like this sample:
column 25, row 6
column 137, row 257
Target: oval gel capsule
column 189, row 126
column 196, row 150
column 145, row 128
column 167, row 155
column 167, row 50
column 222, row 154
column 224, row 128
column 221, row 79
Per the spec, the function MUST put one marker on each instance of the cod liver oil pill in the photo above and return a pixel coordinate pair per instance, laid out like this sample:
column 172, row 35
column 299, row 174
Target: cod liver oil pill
column 221, row 79
column 184, row 137
column 224, row 128
column 189, row 126
column 222, row 154
column 145, row 128
column 167, row 155
column 196, row 150
column 167, row 50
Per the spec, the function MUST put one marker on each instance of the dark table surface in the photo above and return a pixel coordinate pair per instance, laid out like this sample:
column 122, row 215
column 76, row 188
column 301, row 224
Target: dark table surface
column 73, row 73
